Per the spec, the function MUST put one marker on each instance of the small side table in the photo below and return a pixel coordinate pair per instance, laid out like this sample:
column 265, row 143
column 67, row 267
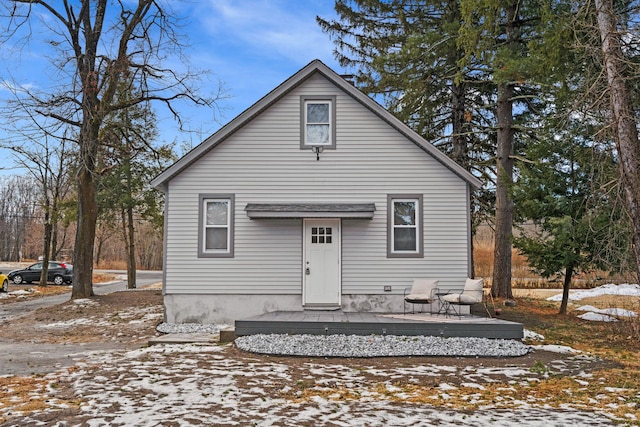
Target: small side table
column 443, row 305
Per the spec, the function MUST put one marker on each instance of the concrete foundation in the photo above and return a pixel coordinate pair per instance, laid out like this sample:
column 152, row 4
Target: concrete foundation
column 226, row 309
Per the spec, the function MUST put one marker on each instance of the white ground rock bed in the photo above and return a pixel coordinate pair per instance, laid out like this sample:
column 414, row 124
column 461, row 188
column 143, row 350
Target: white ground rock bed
column 378, row 345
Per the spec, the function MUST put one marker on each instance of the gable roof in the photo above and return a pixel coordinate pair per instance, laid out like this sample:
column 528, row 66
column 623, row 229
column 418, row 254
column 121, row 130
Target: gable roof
column 316, row 66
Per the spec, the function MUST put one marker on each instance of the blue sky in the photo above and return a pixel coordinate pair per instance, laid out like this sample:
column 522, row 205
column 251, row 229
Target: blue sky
column 250, row 47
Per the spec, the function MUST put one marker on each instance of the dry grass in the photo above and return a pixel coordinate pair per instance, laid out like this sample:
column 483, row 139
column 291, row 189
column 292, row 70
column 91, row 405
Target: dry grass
column 524, row 277
column 27, row 395
column 112, row 265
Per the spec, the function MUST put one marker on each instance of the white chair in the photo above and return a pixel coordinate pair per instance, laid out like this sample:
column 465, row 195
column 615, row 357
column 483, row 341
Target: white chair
column 422, row 292
column 471, row 294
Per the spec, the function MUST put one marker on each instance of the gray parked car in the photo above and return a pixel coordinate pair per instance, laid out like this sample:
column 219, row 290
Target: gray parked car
column 58, row 273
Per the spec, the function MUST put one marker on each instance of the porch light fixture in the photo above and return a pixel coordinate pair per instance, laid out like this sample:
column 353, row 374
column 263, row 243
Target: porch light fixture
column 317, row 149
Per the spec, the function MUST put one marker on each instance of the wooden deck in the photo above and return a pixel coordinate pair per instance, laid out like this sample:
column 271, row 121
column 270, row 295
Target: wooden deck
column 340, row 322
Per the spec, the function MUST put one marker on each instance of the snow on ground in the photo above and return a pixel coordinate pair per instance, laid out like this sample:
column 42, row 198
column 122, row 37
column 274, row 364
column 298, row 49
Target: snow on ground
column 608, row 289
column 603, row 315
column 618, row 312
column 195, row 385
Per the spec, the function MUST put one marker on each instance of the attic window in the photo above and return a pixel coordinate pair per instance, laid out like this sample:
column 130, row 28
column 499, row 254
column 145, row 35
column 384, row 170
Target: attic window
column 318, row 122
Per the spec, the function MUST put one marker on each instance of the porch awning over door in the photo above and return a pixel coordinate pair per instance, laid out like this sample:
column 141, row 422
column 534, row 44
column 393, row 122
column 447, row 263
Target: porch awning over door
column 310, row 210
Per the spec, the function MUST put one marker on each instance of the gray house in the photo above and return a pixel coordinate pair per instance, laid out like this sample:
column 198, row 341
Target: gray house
column 313, row 198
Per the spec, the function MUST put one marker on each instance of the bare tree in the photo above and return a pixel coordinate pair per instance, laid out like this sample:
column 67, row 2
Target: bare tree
column 19, row 212
column 47, row 163
column 99, row 50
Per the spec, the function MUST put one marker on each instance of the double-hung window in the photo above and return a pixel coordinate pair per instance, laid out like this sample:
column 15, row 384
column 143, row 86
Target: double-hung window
column 318, row 119
column 216, row 226
column 404, row 226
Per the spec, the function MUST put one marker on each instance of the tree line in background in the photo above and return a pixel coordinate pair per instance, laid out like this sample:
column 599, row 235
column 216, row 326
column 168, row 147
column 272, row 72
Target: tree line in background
column 538, row 98
column 23, row 225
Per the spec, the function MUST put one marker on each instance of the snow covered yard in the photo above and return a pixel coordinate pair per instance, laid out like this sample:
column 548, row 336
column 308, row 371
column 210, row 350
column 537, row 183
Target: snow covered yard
column 219, row 385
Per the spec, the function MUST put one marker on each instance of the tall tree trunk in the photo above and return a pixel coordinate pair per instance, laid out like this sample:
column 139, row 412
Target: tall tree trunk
column 85, row 236
column 625, row 127
column 501, row 286
column 87, row 212
column 129, row 236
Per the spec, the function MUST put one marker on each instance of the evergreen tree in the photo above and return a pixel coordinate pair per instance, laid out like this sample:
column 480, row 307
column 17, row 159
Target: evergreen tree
column 563, row 191
column 406, row 55
column 130, row 160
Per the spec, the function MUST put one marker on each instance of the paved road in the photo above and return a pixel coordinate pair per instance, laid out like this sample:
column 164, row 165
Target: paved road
column 23, row 358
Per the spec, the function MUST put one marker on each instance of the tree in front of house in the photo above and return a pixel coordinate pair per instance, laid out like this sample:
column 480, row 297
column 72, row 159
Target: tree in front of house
column 567, row 189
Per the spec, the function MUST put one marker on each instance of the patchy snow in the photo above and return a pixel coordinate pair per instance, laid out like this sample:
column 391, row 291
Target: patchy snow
column 603, row 315
column 597, row 317
column 17, row 292
column 209, row 385
column 608, row 289
column 562, row 349
column 532, row 336
column 85, row 302
column 617, row 312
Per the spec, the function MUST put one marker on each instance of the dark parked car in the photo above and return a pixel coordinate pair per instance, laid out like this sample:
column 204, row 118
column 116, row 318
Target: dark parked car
column 58, row 273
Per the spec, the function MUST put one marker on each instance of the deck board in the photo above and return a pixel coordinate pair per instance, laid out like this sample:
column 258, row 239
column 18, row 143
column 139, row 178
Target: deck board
column 352, row 323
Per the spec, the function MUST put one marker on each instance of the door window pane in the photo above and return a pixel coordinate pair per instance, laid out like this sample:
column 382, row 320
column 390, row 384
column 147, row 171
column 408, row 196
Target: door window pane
column 321, row 235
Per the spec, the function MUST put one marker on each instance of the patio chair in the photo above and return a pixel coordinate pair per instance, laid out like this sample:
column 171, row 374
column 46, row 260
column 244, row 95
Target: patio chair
column 471, row 294
column 421, row 292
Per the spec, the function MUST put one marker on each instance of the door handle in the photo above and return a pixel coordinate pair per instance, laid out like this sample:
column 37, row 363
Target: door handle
column 307, row 271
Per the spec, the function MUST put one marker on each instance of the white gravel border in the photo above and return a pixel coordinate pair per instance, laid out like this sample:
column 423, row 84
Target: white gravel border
column 379, row 346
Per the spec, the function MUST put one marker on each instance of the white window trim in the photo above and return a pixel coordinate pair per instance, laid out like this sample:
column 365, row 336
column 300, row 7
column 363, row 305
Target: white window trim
column 203, row 252
column 331, row 101
column 418, row 252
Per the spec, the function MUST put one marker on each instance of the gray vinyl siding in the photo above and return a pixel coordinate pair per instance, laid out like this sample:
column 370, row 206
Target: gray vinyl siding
column 263, row 163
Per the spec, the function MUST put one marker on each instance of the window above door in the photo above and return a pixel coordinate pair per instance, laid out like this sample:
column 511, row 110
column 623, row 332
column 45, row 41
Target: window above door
column 317, row 122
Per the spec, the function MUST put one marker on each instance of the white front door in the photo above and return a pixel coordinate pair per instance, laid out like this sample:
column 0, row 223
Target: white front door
column 321, row 264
